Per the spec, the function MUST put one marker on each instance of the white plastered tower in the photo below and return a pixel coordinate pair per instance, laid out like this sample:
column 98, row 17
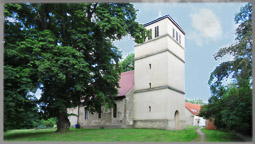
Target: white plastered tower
column 159, row 92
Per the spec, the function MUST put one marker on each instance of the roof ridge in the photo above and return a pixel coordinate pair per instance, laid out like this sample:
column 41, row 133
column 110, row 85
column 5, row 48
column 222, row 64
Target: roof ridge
column 170, row 18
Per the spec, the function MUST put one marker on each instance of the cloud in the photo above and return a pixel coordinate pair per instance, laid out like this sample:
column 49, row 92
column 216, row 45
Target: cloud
column 206, row 27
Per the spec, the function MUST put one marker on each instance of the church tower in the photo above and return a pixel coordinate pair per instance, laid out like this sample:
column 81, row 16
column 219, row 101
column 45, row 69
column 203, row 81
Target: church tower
column 159, row 91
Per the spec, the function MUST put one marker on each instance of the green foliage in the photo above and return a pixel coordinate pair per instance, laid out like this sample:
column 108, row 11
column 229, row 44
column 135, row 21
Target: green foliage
column 66, row 50
column 231, row 105
column 128, row 63
column 220, row 136
column 241, row 65
column 233, row 110
column 49, row 123
column 195, row 101
column 237, row 110
column 20, row 110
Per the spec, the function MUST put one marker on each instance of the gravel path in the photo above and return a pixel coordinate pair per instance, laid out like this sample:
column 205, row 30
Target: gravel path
column 202, row 135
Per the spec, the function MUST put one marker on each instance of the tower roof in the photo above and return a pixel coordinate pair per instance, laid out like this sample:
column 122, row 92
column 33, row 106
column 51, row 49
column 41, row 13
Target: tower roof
column 164, row 17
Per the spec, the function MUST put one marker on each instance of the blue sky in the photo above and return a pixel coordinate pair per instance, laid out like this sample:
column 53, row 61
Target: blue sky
column 208, row 27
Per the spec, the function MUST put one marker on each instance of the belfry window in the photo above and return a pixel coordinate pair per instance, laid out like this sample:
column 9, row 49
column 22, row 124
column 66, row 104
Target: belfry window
column 176, row 36
column 150, row 66
column 156, row 31
column 173, row 33
column 150, row 85
column 150, row 36
column 149, row 108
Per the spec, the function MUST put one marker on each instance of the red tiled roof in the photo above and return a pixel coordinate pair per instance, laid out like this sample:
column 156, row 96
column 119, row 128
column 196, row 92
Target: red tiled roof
column 193, row 108
column 126, row 82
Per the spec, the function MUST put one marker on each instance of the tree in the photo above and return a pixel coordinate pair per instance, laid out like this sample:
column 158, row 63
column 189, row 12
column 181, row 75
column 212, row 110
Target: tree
column 195, row 101
column 20, row 110
column 67, row 48
column 241, row 65
column 233, row 110
column 128, row 63
column 231, row 105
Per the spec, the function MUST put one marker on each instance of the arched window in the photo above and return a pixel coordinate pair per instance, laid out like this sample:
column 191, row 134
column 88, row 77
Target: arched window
column 149, row 108
column 177, row 120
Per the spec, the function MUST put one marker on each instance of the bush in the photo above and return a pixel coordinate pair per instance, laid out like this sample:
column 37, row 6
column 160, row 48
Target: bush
column 49, row 123
column 41, row 127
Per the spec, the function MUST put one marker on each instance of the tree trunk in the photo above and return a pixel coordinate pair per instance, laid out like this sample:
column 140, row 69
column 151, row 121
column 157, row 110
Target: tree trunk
column 63, row 123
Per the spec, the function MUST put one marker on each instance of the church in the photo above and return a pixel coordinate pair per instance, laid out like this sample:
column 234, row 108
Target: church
column 153, row 94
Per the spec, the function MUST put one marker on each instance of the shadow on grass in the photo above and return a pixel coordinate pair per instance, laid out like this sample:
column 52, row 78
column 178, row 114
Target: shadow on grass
column 41, row 133
column 26, row 134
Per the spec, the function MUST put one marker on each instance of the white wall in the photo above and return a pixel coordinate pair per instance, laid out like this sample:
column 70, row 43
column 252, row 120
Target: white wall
column 166, row 57
column 201, row 123
column 157, row 75
column 189, row 117
column 192, row 120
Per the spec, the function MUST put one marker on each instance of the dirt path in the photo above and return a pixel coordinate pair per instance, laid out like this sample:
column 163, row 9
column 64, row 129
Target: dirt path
column 202, row 135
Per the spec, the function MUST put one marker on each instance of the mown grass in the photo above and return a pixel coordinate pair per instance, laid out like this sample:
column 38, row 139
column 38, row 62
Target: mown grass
column 103, row 135
column 219, row 136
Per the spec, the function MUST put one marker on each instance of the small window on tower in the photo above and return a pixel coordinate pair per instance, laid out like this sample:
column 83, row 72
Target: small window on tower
column 149, row 108
column 173, row 32
column 150, row 85
column 180, row 39
column 150, row 66
column 150, row 36
column 156, row 31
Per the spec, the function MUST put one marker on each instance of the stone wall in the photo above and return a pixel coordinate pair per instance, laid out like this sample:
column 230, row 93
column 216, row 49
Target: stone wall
column 106, row 116
column 129, row 110
column 124, row 118
column 153, row 124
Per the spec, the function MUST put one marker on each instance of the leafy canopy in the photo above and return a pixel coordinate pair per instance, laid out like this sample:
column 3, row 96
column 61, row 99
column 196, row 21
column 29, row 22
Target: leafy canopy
column 128, row 63
column 66, row 50
column 231, row 105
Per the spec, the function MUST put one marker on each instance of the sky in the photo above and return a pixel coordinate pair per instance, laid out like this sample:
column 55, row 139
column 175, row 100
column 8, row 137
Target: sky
column 208, row 27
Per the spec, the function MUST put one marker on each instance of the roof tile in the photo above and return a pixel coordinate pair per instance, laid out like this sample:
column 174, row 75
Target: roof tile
column 193, row 108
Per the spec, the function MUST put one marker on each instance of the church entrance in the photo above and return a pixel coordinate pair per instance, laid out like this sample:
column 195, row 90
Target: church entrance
column 177, row 120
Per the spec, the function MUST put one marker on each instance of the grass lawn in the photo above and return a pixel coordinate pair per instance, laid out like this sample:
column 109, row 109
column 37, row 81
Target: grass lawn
column 106, row 135
column 219, row 136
